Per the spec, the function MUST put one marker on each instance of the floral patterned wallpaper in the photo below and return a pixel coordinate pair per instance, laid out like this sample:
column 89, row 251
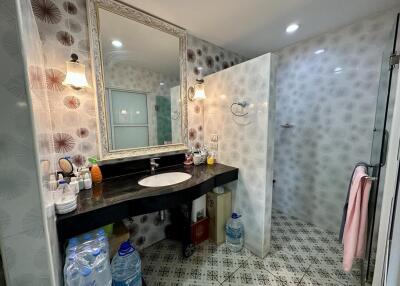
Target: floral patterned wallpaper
column 327, row 89
column 63, row 29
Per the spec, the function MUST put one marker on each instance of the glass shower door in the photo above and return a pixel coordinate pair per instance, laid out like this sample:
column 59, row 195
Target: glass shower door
column 383, row 118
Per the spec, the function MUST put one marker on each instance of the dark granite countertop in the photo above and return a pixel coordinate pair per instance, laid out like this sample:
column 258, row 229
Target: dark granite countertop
column 117, row 190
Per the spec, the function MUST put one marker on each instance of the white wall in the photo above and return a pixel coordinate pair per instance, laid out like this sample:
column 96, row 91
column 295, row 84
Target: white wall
column 246, row 142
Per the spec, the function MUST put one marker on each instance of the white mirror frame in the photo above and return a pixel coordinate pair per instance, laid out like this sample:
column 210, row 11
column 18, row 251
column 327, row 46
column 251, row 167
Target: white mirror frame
column 134, row 14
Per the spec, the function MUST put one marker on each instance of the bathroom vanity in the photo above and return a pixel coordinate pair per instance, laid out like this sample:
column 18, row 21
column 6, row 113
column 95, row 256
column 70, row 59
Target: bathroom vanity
column 121, row 196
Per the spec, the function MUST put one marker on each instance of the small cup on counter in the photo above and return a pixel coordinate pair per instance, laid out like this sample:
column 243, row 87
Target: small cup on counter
column 197, row 159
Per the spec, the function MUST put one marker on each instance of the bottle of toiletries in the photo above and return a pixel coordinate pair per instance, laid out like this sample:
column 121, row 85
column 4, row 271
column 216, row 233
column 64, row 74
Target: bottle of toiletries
column 87, row 181
column 211, row 159
column 60, row 178
column 197, row 159
column 188, row 159
column 204, row 154
column 74, row 184
column 85, row 171
column 95, row 171
column 52, row 183
column 80, row 181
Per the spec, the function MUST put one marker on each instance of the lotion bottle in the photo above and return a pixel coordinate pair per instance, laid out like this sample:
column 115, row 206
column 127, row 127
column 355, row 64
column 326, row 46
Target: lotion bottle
column 74, row 184
column 87, row 182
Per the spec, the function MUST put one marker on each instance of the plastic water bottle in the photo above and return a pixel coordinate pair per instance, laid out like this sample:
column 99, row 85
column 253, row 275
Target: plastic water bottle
column 72, row 246
column 234, row 233
column 71, row 276
column 103, row 241
column 86, row 277
column 87, row 262
column 126, row 266
column 87, row 237
column 101, row 267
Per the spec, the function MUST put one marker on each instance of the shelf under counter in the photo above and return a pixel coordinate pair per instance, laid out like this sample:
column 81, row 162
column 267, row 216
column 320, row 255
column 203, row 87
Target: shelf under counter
column 120, row 197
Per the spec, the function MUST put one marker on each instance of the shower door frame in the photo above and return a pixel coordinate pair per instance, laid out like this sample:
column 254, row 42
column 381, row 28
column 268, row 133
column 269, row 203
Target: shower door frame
column 390, row 180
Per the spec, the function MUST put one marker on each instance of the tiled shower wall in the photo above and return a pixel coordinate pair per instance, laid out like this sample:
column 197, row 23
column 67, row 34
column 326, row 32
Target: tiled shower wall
column 329, row 97
column 63, row 29
column 246, row 142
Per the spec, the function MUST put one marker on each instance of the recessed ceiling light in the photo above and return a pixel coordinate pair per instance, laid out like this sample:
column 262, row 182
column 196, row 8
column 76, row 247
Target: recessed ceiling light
column 338, row 70
column 22, row 104
column 320, row 51
column 292, row 28
column 161, row 83
column 117, row 43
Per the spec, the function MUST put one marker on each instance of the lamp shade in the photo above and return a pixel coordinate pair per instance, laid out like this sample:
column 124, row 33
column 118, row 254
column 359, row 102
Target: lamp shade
column 199, row 93
column 76, row 75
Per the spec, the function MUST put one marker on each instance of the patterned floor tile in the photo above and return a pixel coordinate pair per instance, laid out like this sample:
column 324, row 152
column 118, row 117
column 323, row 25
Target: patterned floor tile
column 324, row 271
column 210, row 263
column 311, row 281
column 301, row 254
column 282, row 265
column 189, row 282
column 243, row 277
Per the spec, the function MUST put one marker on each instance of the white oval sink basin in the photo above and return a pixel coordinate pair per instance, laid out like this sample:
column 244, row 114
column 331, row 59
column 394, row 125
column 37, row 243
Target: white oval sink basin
column 165, row 179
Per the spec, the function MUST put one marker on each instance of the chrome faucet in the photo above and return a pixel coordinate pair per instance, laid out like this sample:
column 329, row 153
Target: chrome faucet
column 153, row 164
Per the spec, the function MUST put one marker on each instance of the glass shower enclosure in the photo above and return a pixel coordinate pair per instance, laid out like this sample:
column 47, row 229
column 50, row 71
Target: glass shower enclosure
column 383, row 118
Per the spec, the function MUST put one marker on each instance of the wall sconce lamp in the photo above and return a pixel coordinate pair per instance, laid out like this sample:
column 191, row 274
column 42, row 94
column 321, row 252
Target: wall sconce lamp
column 198, row 93
column 76, row 74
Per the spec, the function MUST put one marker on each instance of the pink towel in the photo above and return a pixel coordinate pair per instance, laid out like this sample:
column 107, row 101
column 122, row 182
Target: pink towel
column 355, row 230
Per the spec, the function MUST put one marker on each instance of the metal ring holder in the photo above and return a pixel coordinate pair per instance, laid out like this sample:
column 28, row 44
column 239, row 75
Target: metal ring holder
column 243, row 105
column 287, row 125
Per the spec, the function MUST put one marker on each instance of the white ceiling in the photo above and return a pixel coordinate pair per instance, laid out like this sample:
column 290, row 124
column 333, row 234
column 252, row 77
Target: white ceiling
column 254, row 27
column 142, row 46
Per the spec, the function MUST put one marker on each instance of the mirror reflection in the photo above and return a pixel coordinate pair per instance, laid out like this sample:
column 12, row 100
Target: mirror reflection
column 142, row 83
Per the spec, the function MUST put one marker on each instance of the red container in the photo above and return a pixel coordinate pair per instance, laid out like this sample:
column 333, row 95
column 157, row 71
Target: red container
column 199, row 231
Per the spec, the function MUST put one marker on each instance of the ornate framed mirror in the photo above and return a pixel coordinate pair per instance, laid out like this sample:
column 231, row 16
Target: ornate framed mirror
column 139, row 70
